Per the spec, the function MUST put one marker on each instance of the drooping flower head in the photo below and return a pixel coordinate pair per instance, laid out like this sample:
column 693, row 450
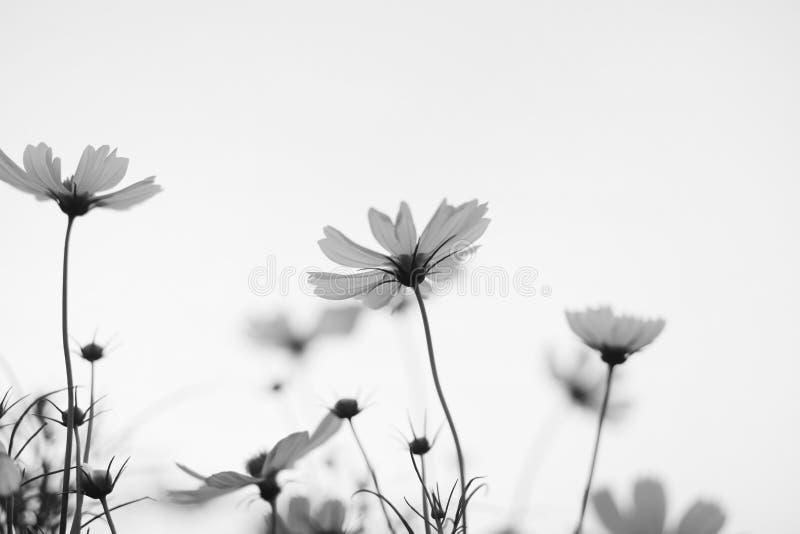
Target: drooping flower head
column 616, row 337
column 412, row 262
column 649, row 511
column 98, row 170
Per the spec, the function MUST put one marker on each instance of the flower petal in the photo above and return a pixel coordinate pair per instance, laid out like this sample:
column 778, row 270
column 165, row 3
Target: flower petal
column 98, row 170
column 129, row 196
column 273, row 331
column 380, row 295
column 702, row 518
column 337, row 321
column 338, row 248
column 384, row 231
column 42, row 168
column 650, row 507
column 405, row 229
column 286, row 452
column 230, row 480
column 13, row 175
column 334, row 286
column 609, row 514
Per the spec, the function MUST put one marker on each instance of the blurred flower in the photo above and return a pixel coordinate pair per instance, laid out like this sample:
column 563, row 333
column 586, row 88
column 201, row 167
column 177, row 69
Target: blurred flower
column 329, row 518
column 411, row 263
column 10, row 474
column 615, row 336
column 98, row 483
column 91, row 352
column 649, row 510
column 98, row 170
column 263, row 469
column 346, row 408
column 583, row 386
column 277, row 331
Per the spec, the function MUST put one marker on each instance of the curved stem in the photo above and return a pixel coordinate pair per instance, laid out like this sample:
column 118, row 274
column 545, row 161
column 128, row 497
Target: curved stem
column 62, row 527
column 108, row 516
column 91, row 418
column 372, row 474
column 442, row 400
column 585, row 501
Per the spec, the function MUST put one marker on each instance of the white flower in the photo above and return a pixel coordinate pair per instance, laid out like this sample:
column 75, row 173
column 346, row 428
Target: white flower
column 649, row 511
column 98, row 170
column 615, row 336
column 411, row 262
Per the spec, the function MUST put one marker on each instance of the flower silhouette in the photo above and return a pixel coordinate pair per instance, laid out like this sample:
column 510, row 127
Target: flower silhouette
column 649, row 510
column 328, row 518
column 411, row 263
column 98, row 170
column 278, row 332
column 616, row 337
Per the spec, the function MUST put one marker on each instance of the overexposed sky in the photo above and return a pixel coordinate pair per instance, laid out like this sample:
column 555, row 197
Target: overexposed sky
column 641, row 154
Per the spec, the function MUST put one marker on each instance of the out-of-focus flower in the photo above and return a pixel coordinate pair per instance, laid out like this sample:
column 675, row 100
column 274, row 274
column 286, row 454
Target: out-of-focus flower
column 10, row 474
column 328, row 518
column 616, row 337
column 649, row 511
column 411, row 262
column 99, row 483
column 91, row 352
column 98, row 170
column 278, row 332
column 346, row 408
column 583, row 386
column 263, row 469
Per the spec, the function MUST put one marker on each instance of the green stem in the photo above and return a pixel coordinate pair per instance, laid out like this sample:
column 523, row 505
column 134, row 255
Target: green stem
column 62, row 528
column 372, row 474
column 91, row 418
column 440, row 393
column 108, row 516
column 602, row 418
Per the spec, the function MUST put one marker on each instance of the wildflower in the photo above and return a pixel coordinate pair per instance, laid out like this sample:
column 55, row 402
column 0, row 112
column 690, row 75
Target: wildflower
column 278, row 332
column 99, row 483
column 411, row 263
column 98, row 170
column 263, row 469
column 10, row 474
column 582, row 386
column 346, row 408
column 616, row 337
column 91, row 352
column 329, row 518
column 649, row 511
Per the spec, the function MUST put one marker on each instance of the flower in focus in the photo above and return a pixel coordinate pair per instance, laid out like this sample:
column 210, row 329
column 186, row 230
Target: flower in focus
column 583, row 386
column 10, row 474
column 411, row 262
column 278, row 332
column 263, row 469
column 649, row 510
column 616, row 337
column 99, row 483
column 98, row 170
column 346, row 408
column 329, row 518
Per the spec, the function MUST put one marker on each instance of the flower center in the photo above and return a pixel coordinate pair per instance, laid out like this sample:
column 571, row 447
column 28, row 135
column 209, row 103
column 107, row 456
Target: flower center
column 410, row 270
column 613, row 355
column 72, row 203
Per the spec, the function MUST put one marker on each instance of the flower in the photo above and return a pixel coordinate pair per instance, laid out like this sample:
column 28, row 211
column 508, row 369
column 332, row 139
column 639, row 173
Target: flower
column 616, row 337
column 263, row 469
column 411, row 263
column 10, row 474
column 98, row 483
column 582, row 386
column 98, row 170
column 648, row 513
column 278, row 332
column 346, row 408
column 329, row 518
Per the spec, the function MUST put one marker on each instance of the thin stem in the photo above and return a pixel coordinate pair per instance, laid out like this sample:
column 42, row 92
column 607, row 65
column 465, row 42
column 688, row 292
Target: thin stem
column 436, row 382
column 372, row 474
column 108, row 516
column 425, row 510
column 91, row 418
column 585, row 501
column 10, row 516
column 76, row 520
column 62, row 528
column 273, row 517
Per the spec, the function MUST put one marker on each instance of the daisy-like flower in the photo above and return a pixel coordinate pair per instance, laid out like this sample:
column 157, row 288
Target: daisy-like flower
column 98, row 171
column 278, row 332
column 263, row 469
column 616, row 337
column 328, row 518
column 412, row 262
column 649, row 511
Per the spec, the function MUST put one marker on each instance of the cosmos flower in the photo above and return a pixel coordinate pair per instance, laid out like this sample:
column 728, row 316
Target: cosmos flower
column 99, row 483
column 328, row 518
column 10, row 474
column 278, row 332
column 616, row 337
column 649, row 511
column 411, row 262
column 583, row 386
column 98, row 170
column 263, row 469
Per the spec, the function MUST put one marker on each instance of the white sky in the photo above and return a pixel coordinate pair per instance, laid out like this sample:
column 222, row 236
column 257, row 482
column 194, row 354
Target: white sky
column 642, row 154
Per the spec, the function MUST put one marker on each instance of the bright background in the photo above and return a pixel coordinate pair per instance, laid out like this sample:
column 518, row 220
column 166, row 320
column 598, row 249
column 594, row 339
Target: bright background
column 642, row 154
